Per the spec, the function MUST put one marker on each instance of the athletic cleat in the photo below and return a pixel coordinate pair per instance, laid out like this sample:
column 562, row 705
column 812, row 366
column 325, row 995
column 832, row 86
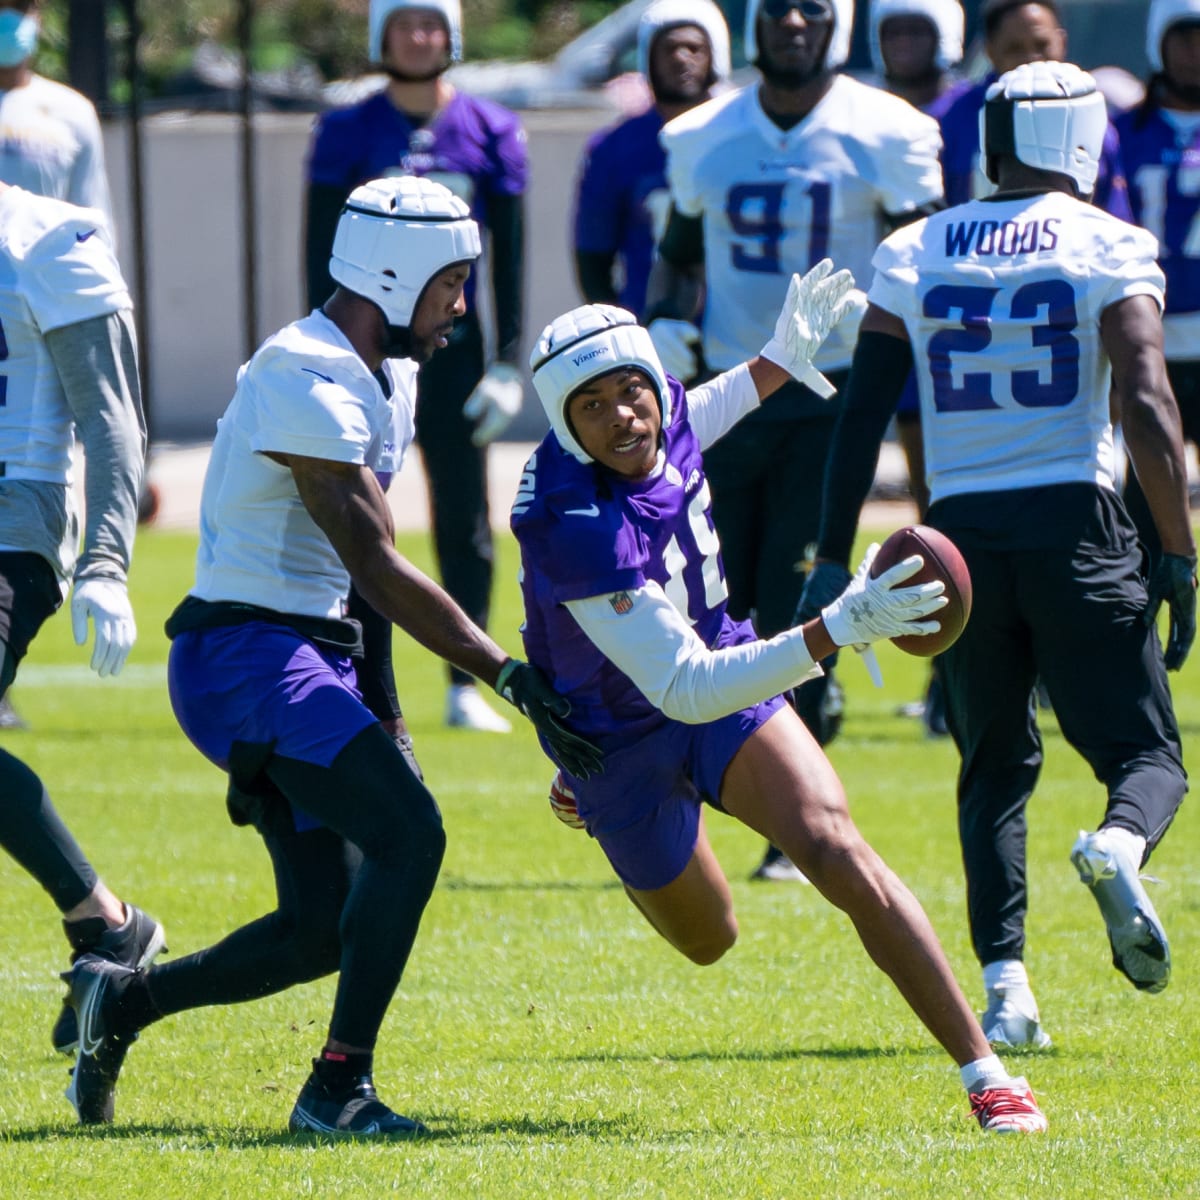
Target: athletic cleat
column 101, row 1052
column 135, row 945
column 1139, row 943
column 776, row 867
column 9, row 717
column 1012, row 1019
column 360, row 1113
column 467, row 709
column 1007, row 1108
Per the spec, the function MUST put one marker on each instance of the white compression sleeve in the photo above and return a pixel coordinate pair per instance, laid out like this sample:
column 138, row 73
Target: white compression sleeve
column 676, row 671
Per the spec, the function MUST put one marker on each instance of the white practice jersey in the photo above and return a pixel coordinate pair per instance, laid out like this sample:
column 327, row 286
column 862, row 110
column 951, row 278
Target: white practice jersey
column 305, row 392
column 50, row 144
column 57, row 268
column 1002, row 302
column 775, row 202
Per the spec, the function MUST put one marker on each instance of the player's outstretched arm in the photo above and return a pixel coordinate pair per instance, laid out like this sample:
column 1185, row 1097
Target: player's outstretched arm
column 347, row 503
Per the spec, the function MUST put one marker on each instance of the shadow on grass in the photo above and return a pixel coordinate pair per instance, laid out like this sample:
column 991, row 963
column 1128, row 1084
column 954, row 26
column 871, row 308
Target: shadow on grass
column 826, row 1054
column 445, row 1128
column 459, row 884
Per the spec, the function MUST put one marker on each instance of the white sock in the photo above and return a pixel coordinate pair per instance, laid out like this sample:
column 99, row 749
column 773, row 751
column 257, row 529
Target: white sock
column 983, row 1072
column 1007, row 974
column 1127, row 841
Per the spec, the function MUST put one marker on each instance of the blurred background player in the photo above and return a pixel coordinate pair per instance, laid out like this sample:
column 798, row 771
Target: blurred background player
column 622, row 199
column 802, row 164
column 1019, row 311
column 50, row 144
column 915, row 47
column 419, row 124
column 70, row 367
column 1016, row 32
column 1160, row 150
column 260, row 670
column 625, row 607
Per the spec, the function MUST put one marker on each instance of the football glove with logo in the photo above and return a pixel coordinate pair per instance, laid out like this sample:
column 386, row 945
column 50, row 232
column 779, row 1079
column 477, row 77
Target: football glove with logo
column 876, row 607
column 494, row 403
column 1174, row 580
column 815, row 303
column 526, row 688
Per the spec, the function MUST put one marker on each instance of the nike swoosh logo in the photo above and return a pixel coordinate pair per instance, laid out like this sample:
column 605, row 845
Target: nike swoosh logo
column 83, row 237
column 326, row 378
column 593, row 511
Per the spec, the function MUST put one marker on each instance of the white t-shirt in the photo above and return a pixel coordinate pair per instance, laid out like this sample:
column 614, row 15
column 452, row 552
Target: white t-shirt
column 50, row 144
column 57, row 268
column 1002, row 302
column 305, row 392
column 775, row 202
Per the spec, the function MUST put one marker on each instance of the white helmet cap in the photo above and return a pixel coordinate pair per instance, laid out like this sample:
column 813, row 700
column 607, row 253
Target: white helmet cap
column 669, row 14
column 946, row 16
column 394, row 236
column 580, row 345
column 1049, row 115
column 839, row 41
column 1164, row 14
column 381, row 10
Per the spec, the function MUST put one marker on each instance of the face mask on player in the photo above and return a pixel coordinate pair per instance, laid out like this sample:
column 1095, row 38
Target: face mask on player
column 18, row 36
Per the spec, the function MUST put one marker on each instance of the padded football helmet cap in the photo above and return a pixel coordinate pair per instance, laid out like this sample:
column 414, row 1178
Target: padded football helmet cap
column 394, row 235
column 836, row 52
column 1163, row 15
column 1048, row 115
column 946, row 16
column 381, row 10
column 579, row 346
column 670, row 14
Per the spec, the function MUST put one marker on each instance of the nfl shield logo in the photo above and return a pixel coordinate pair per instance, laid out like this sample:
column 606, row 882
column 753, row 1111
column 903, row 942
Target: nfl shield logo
column 621, row 602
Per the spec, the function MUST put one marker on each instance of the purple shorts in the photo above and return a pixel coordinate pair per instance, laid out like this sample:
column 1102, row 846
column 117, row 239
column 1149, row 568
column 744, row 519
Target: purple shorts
column 266, row 685
column 645, row 809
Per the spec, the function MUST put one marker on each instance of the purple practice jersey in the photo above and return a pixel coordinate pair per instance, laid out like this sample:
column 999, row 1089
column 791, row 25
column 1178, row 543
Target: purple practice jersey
column 962, row 167
column 1163, row 167
column 475, row 147
column 583, row 532
column 622, row 203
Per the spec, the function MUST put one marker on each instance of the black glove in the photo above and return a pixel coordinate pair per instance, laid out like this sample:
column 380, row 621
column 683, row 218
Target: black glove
column 825, row 583
column 1174, row 580
column 526, row 688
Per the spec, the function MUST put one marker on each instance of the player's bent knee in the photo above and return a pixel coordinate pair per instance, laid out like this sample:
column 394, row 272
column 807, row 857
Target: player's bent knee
column 712, row 945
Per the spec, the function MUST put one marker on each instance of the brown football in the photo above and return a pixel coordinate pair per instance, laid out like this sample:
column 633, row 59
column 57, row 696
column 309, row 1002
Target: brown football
column 942, row 561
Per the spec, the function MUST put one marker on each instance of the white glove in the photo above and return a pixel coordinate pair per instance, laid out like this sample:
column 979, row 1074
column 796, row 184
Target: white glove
column 872, row 609
column 675, row 343
column 815, row 303
column 106, row 602
column 493, row 404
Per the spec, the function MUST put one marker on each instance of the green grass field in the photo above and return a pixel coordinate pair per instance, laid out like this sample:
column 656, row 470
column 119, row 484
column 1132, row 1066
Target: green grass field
column 554, row 1043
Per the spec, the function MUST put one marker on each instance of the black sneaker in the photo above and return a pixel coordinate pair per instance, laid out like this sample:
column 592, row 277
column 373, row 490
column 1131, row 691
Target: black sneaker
column 94, row 984
column 135, row 945
column 359, row 1112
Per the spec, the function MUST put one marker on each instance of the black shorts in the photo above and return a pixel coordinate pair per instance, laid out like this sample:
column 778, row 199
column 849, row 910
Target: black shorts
column 29, row 593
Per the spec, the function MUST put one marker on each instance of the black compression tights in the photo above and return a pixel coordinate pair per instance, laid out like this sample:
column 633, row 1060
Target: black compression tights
column 350, row 895
column 33, row 833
